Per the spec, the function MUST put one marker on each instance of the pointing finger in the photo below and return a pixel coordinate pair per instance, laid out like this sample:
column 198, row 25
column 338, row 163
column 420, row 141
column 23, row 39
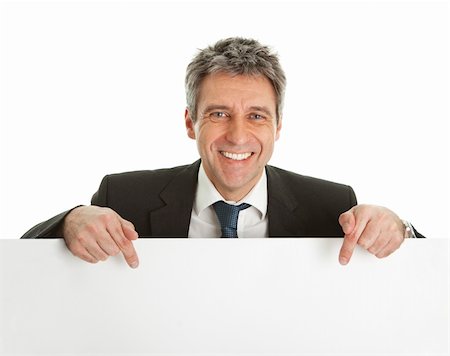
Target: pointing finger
column 347, row 248
column 129, row 253
column 351, row 239
column 125, row 245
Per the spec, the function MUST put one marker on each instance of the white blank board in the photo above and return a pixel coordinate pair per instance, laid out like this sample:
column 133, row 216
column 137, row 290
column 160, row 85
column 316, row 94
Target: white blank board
column 227, row 297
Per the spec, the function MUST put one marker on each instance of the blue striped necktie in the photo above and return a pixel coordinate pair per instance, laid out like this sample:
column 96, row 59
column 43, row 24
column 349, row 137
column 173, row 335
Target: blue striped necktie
column 228, row 217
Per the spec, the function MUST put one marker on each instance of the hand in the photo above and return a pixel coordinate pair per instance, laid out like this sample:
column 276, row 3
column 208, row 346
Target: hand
column 376, row 229
column 94, row 233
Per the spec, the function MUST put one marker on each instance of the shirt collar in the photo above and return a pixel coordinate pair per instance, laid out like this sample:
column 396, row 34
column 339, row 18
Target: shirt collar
column 207, row 194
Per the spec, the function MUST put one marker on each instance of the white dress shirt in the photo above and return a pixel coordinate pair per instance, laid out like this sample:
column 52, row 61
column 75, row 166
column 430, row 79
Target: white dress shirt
column 252, row 222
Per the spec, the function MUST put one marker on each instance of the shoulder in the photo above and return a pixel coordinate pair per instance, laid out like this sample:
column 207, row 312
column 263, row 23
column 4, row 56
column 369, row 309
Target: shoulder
column 162, row 173
column 281, row 176
column 301, row 188
column 143, row 188
column 157, row 177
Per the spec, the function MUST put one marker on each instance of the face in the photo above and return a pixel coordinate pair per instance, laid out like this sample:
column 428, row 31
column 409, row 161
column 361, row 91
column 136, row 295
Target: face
column 235, row 130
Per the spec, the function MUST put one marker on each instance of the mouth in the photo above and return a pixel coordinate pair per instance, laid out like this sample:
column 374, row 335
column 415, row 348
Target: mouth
column 236, row 156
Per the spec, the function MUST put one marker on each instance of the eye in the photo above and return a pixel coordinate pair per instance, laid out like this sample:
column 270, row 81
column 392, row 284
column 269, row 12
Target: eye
column 257, row 117
column 218, row 115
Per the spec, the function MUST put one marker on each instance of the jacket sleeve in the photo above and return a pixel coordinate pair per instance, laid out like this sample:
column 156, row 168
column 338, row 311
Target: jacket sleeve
column 48, row 229
column 418, row 234
column 100, row 198
column 52, row 227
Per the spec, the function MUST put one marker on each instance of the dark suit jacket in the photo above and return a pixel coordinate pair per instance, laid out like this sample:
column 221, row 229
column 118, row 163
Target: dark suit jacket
column 159, row 203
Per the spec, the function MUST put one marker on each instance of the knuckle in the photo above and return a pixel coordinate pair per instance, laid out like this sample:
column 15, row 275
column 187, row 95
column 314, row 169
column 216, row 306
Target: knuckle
column 129, row 224
column 364, row 244
column 81, row 239
column 76, row 250
column 103, row 257
column 106, row 218
column 115, row 251
column 123, row 243
column 91, row 228
column 111, row 248
column 88, row 258
column 352, row 239
column 347, row 253
column 117, row 231
column 131, row 259
column 363, row 210
column 130, row 254
column 393, row 227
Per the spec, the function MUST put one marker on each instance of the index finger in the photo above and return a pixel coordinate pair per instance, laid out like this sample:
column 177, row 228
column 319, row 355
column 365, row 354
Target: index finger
column 350, row 242
column 348, row 246
column 126, row 246
column 130, row 254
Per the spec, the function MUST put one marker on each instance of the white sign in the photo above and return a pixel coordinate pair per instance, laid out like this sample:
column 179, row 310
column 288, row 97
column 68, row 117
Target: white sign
column 227, row 297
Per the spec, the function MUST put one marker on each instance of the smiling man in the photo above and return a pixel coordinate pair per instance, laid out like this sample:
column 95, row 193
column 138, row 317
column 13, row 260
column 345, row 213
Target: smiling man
column 234, row 91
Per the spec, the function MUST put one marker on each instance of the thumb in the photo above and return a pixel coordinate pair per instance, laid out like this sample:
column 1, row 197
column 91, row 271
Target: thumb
column 129, row 230
column 347, row 221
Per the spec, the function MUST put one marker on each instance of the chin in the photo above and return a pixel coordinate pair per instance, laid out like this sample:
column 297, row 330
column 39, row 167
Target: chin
column 236, row 184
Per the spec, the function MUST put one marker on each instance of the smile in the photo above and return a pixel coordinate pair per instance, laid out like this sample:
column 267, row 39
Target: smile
column 236, row 156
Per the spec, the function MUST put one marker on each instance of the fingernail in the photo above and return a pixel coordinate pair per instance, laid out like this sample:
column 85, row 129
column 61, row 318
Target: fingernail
column 134, row 264
column 343, row 261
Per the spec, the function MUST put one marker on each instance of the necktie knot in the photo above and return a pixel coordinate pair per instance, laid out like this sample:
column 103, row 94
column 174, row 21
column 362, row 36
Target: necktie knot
column 228, row 217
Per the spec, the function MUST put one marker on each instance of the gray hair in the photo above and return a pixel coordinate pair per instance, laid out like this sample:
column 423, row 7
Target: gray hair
column 236, row 56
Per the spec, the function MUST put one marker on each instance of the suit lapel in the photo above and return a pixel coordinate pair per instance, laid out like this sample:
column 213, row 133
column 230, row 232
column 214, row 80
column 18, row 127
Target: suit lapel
column 172, row 218
column 285, row 214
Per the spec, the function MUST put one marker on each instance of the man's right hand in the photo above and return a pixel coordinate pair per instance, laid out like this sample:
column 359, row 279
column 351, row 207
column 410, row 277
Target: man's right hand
column 94, row 233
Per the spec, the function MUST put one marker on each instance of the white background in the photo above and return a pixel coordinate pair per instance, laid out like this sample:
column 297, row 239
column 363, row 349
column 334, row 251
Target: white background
column 91, row 88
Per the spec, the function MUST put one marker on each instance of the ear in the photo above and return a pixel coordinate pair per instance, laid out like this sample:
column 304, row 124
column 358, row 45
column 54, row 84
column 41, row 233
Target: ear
column 278, row 129
column 189, row 124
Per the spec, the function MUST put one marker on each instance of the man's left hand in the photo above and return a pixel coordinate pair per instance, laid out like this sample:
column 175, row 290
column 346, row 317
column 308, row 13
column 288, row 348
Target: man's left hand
column 377, row 229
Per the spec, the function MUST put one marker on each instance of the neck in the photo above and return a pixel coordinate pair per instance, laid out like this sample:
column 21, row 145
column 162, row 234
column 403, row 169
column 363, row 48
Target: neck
column 237, row 194
column 234, row 196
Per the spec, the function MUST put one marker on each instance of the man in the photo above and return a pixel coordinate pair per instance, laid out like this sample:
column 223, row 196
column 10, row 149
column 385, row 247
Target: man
column 234, row 92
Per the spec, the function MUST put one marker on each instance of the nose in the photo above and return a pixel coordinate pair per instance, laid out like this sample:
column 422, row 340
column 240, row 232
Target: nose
column 237, row 131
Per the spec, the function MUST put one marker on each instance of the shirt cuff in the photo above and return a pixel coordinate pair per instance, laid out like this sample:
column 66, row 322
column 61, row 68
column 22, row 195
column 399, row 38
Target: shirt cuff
column 409, row 230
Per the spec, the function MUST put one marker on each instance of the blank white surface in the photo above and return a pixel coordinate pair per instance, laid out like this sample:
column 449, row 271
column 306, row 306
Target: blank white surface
column 89, row 88
column 222, row 296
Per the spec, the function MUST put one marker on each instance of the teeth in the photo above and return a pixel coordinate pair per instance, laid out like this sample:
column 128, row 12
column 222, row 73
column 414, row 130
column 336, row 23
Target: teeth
column 236, row 156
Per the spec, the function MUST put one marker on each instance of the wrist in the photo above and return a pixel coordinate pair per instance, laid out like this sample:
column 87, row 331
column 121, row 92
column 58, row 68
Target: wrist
column 67, row 219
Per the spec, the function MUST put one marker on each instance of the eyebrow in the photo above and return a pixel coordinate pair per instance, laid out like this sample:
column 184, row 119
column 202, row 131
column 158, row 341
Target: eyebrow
column 262, row 109
column 216, row 107
column 225, row 107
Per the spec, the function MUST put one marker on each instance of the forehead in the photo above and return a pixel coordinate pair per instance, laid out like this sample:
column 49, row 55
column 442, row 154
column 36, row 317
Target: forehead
column 227, row 89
